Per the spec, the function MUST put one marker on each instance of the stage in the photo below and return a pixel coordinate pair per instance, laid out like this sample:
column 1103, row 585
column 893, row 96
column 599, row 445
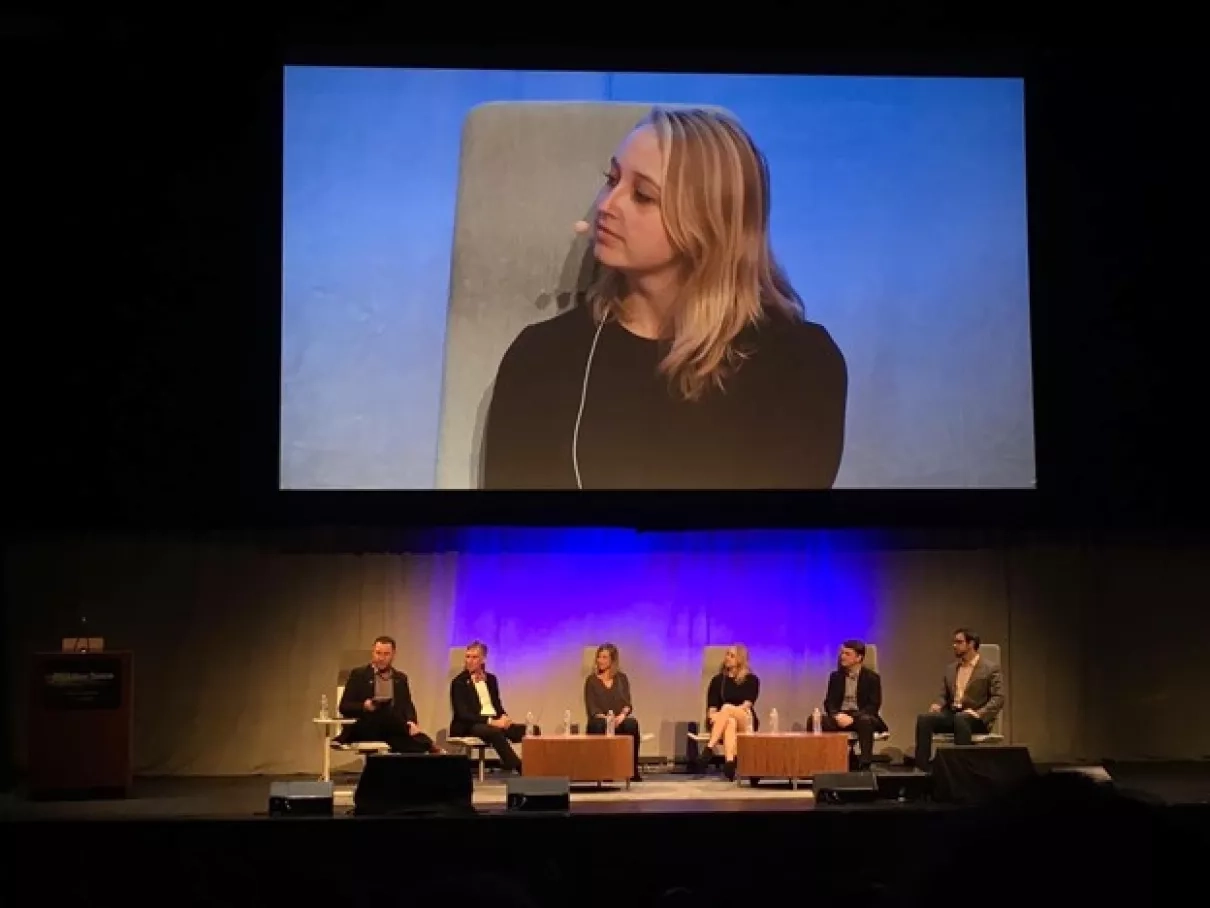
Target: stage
column 246, row 797
column 214, row 839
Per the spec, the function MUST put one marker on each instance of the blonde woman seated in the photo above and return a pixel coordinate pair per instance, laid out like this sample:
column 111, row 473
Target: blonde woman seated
column 607, row 690
column 731, row 705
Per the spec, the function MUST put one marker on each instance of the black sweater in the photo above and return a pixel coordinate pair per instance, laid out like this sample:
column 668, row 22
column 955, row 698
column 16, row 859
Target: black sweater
column 778, row 423
column 726, row 690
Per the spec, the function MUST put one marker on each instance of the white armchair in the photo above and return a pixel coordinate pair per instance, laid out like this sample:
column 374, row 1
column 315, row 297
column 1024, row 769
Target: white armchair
column 476, row 748
column 333, row 723
column 871, row 662
column 712, row 658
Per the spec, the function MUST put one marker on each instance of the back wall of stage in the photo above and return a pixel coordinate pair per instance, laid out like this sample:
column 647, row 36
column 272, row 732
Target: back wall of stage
column 234, row 643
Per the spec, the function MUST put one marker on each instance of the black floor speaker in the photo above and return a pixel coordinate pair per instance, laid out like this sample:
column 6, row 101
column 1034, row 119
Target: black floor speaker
column 904, row 785
column 300, row 799
column 539, row 793
column 845, row 787
column 972, row 774
column 415, row 784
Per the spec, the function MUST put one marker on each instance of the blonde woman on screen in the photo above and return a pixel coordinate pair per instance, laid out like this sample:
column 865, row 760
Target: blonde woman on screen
column 690, row 364
column 731, row 704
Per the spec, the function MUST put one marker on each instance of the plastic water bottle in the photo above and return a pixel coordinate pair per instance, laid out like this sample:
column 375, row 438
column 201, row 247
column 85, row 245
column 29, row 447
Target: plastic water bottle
column 816, row 721
column 323, row 706
column 529, row 724
column 567, row 721
column 773, row 720
column 609, row 720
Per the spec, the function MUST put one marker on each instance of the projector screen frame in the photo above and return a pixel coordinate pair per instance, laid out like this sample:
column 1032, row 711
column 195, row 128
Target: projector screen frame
column 841, row 507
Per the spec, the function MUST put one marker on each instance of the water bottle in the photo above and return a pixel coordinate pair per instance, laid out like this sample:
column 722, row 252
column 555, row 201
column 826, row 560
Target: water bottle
column 773, row 720
column 323, row 706
column 816, row 721
column 529, row 724
column 609, row 724
column 567, row 721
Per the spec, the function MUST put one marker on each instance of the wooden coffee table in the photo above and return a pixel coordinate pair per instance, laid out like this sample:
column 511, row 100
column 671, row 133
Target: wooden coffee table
column 580, row 758
column 791, row 755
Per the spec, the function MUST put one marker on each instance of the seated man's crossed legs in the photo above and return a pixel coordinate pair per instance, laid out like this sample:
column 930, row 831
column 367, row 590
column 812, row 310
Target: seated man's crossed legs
column 501, row 740
column 863, row 725
column 392, row 731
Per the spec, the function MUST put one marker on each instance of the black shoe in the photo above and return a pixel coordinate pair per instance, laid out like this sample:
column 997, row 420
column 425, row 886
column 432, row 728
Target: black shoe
column 729, row 770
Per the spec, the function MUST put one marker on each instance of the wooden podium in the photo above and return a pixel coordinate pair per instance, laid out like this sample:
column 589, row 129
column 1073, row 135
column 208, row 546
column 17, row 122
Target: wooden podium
column 81, row 726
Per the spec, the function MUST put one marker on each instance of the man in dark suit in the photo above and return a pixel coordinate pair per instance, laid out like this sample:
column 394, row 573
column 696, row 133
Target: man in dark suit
column 972, row 696
column 478, row 711
column 854, row 700
column 379, row 698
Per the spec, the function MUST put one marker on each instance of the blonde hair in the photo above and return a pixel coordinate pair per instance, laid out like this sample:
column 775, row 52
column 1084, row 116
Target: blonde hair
column 715, row 207
column 742, row 668
column 613, row 658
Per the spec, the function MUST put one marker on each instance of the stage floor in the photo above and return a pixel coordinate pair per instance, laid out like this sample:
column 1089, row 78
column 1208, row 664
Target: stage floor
column 248, row 796
column 660, row 792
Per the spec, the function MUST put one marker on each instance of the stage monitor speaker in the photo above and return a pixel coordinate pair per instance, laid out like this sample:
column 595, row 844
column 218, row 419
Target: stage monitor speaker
column 975, row 773
column 912, row 785
column 397, row 784
column 845, row 787
column 537, row 793
column 300, row 799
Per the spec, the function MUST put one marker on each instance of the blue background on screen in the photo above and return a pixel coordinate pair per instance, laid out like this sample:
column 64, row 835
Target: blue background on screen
column 899, row 212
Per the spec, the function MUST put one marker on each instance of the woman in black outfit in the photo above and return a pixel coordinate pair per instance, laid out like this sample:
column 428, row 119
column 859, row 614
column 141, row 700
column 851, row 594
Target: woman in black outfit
column 608, row 690
column 690, row 364
column 731, row 704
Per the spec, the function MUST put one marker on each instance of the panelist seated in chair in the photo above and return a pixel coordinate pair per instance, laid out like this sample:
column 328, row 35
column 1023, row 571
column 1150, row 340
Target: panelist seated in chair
column 854, row 700
column 606, row 691
column 731, row 705
column 972, row 696
column 479, row 712
column 379, row 698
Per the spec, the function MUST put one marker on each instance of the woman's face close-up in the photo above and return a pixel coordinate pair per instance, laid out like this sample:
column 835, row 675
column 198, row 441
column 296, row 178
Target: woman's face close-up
column 629, row 230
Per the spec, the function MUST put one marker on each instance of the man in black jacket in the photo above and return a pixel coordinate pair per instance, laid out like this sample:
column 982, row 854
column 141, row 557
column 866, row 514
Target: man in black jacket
column 378, row 697
column 854, row 699
column 478, row 711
